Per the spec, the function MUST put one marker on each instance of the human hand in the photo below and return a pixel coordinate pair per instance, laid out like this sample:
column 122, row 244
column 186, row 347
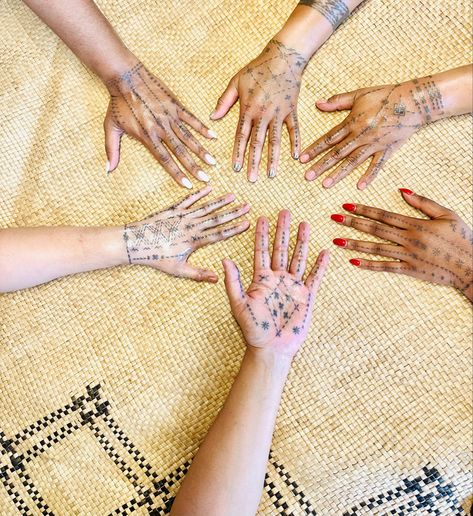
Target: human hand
column 268, row 89
column 166, row 239
column 439, row 249
column 142, row 106
column 381, row 119
column 275, row 312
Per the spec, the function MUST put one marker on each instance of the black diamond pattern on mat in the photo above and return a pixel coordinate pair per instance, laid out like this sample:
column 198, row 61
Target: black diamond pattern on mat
column 428, row 492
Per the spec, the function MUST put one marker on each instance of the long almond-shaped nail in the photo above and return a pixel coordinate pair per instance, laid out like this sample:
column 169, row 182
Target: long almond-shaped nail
column 203, row 176
column 406, row 191
column 185, row 182
column 349, row 207
column 208, row 158
column 355, row 262
column 337, row 218
column 212, row 134
column 341, row 242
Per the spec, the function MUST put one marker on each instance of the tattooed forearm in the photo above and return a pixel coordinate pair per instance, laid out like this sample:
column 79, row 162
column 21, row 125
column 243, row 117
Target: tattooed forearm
column 336, row 11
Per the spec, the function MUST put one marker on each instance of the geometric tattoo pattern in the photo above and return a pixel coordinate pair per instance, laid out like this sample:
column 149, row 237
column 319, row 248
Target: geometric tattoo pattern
column 335, row 11
column 426, row 493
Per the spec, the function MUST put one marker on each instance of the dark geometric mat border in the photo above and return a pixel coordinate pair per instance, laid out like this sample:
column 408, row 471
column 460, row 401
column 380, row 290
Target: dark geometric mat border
column 428, row 492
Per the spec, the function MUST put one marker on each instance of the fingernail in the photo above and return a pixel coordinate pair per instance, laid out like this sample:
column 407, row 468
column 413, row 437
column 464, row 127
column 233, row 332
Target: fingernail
column 310, row 176
column 355, row 262
column 362, row 186
column 252, row 179
column 338, row 218
column 322, row 101
column 212, row 134
column 271, row 172
column 341, row 242
column 303, row 158
column 406, row 191
column 349, row 207
column 107, row 167
column 295, row 155
column 210, row 159
column 327, row 182
column 236, row 167
column 185, row 182
column 213, row 114
column 203, row 176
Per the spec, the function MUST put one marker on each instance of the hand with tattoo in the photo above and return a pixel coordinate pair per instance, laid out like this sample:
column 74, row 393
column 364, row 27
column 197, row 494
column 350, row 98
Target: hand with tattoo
column 167, row 239
column 381, row 119
column 275, row 312
column 439, row 249
column 268, row 89
column 142, row 106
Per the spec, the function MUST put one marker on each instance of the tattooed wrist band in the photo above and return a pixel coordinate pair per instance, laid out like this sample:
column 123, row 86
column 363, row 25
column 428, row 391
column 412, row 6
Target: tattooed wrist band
column 126, row 238
column 335, row 11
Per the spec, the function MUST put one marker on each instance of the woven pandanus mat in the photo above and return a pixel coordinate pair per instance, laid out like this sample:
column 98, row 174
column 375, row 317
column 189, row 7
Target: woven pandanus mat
column 109, row 380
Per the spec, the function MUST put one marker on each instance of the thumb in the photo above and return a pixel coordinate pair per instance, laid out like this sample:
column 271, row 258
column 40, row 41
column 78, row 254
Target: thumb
column 337, row 102
column 113, row 136
column 188, row 271
column 226, row 101
column 425, row 205
column 233, row 285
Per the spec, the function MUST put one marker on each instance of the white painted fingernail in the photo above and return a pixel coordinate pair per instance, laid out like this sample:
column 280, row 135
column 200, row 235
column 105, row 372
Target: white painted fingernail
column 203, row 176
column 107, row 167
column 236, row 167
column 212, row 134
column 210, row 159
column 271, row 172
column 185, row 182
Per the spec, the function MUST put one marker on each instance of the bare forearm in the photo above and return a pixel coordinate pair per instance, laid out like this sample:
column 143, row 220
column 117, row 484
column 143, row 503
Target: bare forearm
column 31, row 256
column 227, row 474
column 84, row 29
column 312, row 22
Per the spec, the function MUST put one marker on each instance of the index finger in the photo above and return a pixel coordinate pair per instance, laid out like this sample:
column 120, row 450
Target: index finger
column 261, row 260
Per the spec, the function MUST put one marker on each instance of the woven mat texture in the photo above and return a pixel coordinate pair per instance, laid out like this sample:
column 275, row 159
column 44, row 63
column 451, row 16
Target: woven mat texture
column 109, row 380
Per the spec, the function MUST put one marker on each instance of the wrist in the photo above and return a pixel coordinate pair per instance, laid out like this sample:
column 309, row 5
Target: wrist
column 305, row 31
column 117, row 67
column 269, row 362
column 110, row 243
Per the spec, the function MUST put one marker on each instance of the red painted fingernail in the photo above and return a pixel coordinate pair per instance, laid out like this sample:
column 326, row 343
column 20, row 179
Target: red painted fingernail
column 355, row 262
column 341, row 242
column 406, row 191
column 349, row 207
column 338, row 218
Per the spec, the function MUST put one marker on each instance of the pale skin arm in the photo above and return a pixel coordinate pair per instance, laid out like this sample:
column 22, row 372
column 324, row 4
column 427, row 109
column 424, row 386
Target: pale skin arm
column 226, row 477
column 164, row 241
column 141, row 105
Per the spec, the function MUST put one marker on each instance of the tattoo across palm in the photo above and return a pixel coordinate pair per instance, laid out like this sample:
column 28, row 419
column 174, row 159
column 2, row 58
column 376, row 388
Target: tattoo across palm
column 275, row 311
column 166, row 239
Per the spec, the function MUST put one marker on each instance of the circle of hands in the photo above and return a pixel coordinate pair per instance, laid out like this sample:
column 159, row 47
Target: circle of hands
column 438, row 249
column 381, row 119
column 268, row 89
column 274, row 313
column 166, row 239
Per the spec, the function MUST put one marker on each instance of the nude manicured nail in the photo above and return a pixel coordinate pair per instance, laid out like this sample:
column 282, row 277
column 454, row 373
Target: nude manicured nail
column 362, row 185
column 185, row 182
column 310, row 176
column 355, row 262
column 304, row 158
column 212, row 134
column 208, row 158
column 337, row 218
column 349, row 207
column 341, row 242
column 406, row 191
column 203, row 176
column 327, row 182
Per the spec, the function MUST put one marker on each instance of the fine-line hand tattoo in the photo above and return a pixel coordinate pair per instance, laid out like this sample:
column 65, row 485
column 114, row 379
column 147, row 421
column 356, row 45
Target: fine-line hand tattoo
column 275, row 311
column 336, row 11
column 166, row 239
column 142, row 106
column 439, row 250
column 381, row 119
column 268, row 89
